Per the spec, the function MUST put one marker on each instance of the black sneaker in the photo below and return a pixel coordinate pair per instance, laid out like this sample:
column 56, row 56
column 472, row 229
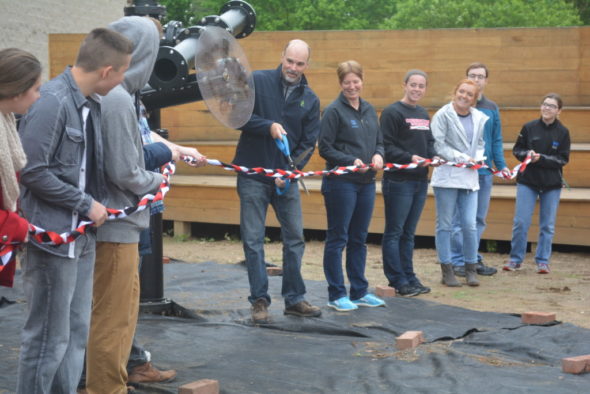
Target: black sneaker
column 459, row 270
column 407, row 291
column 484, row 270
column 421, row 288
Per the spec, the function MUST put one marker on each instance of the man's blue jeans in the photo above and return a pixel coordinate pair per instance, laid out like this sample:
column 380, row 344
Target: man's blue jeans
column 448, row 200
column 349, row 208
column 483, row 204
column 255, row 197
column 58, row 291
column 404, row 201
column 526, row 198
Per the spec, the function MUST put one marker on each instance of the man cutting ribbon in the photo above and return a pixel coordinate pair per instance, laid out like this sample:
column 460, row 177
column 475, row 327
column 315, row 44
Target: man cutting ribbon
column 287, row 110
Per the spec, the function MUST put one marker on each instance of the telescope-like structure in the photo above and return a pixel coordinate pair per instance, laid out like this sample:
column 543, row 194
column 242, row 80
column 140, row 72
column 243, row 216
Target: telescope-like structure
column 172, row 81
column 201, row 62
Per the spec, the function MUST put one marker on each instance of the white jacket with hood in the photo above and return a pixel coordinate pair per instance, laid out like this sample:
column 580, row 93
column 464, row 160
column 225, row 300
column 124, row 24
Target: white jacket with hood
column 126, row 176
column 451, row 144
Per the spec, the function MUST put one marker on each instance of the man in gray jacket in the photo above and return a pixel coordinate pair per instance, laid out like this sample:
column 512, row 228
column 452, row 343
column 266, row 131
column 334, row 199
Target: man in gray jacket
column 116, row 279
column 63, row 183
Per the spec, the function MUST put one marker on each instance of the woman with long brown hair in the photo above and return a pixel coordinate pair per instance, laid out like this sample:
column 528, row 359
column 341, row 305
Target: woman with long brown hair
column 20, row 79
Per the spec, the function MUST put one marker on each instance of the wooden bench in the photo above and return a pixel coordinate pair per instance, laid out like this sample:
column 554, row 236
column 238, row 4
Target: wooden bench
column 213, row 199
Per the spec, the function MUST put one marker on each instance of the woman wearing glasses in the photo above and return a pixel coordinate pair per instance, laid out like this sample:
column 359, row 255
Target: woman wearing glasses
column 458, row 137
column 547, row 142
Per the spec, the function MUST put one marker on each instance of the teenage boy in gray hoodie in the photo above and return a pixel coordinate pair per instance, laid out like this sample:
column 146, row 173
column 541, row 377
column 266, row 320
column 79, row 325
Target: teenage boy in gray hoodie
column 116, row 279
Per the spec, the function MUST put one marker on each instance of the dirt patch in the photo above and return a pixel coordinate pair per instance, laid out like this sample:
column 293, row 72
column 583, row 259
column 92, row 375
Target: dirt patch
column 564, row 291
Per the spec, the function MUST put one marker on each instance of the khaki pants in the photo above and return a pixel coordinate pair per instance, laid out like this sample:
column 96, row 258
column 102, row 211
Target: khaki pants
column 114, row 317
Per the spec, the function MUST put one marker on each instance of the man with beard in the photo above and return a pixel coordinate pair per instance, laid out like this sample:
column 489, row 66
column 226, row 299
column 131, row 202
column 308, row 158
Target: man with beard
column 286, row 111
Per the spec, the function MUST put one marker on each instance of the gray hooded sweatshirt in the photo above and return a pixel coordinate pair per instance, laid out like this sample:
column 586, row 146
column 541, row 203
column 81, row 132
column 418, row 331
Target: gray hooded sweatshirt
column 126, row 176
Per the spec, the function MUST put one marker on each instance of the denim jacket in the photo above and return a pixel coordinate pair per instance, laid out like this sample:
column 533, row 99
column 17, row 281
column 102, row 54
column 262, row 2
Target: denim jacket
column 53, row 195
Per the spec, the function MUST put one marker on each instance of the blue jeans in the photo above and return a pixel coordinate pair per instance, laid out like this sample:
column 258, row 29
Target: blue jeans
column 255, row 197
column 483, row 204
column 526, row 198
column 404, row 201
column 349, row 208
column 58, row 291
column 448, row 200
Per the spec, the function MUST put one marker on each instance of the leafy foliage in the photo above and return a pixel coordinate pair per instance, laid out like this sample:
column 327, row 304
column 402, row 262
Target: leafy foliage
column 294, row 14
column 421, row 14
column 393, row 14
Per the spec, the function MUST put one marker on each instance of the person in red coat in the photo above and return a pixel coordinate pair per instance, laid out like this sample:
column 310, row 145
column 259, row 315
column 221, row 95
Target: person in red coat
column 20, row 80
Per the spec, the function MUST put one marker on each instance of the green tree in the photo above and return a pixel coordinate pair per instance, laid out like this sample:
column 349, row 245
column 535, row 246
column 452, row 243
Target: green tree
column 294, row 14
column 188, row 11
column 583, row 7
column 393, row 14
column 425, row 14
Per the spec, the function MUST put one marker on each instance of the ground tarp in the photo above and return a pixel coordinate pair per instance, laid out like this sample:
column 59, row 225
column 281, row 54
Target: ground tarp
column 465, row 351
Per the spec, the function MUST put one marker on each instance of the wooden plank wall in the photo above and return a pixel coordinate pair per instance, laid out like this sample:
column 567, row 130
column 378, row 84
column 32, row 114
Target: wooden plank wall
column 525, row 63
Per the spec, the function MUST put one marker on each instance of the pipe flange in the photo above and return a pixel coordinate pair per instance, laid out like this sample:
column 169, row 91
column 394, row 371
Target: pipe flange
column 248, row 12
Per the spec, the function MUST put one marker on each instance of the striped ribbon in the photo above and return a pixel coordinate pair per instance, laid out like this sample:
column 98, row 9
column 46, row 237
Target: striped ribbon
column 45, row 237
column 296, row 174
column 52, row 238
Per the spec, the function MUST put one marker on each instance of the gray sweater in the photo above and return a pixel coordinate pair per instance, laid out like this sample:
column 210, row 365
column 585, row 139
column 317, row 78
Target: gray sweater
column 451, row 143
column 127, row 178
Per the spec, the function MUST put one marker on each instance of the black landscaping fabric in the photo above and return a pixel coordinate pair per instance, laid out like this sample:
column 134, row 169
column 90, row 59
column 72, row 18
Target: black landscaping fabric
column 465, row 351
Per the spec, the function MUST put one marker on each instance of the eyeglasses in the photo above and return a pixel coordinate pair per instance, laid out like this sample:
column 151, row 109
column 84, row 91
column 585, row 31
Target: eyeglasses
column 476, row 76
column 547, row 105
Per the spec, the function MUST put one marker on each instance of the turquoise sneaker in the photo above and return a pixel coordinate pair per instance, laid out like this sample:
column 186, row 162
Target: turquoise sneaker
column 369, row 300
column 342, row 304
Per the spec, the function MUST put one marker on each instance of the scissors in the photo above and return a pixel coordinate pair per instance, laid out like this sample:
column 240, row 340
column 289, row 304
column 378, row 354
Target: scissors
column 299, row 159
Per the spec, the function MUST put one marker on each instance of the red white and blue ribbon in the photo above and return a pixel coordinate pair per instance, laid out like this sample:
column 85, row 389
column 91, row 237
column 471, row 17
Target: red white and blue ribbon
column 296, row 174
column 45, row 237
column 52, row 238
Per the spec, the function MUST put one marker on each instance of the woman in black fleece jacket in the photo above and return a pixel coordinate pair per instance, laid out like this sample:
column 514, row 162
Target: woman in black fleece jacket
column 349, row 135
column 547, row 141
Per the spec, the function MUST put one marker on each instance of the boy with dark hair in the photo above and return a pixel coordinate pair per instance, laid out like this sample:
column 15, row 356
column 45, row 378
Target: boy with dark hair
column 63, row 183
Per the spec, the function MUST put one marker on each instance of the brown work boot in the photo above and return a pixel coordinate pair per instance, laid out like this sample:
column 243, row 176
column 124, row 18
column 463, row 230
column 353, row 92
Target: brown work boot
column 303, row 309
column 260, row 311
column 147, row 373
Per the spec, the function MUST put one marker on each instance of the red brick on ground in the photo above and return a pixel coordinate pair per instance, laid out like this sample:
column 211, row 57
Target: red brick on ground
column 538, row 317
column 165, row 260
column 274, row 271
column 409, row 340
column 578, row 364
column 203, row 386
column 384, row 291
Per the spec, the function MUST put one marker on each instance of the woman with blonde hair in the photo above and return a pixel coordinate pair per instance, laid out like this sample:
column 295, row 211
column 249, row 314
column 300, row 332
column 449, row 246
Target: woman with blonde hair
column 349, row 135
column 20, row 79
column 457, row 129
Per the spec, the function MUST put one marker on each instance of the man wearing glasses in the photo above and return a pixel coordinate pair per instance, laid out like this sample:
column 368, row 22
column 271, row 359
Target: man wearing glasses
column 494, row 154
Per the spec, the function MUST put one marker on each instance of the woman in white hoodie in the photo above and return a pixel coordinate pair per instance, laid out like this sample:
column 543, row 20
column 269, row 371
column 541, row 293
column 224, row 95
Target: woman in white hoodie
column 457, row 129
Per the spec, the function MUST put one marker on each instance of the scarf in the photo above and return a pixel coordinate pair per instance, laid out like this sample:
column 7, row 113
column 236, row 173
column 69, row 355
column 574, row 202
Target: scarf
column 12, row 160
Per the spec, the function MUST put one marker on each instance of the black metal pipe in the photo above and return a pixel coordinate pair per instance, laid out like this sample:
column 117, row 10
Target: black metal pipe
column 152, row 270
column 186, row 93
column 174, row 64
